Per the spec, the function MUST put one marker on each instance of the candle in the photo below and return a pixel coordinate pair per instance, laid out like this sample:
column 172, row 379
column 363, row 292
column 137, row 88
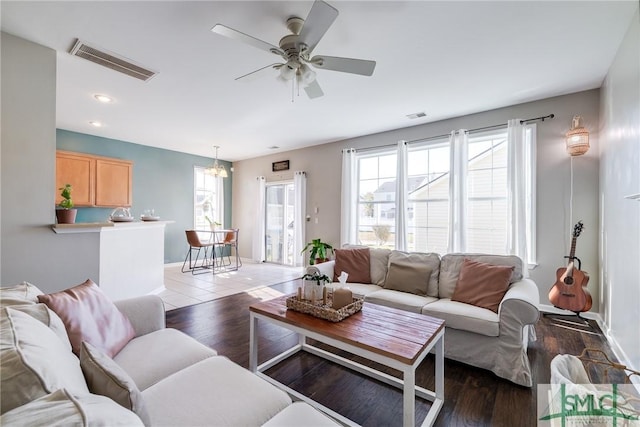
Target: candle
column 299, row 293
column 342, row 297
column 313, row 295
column 324, row 296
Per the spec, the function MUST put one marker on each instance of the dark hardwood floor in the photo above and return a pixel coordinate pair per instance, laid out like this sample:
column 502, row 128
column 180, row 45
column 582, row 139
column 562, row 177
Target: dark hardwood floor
column 473, row 397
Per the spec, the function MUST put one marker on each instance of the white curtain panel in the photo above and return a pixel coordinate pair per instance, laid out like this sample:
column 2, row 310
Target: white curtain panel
column 517, row 194
column 349, row 198
column 401, row 197
column 299, row 216
column 219, row 185
column 459, row 159
column 259, row 225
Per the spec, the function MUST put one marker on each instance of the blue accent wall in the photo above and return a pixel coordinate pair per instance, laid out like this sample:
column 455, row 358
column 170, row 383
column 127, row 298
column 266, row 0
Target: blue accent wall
column 162, row 180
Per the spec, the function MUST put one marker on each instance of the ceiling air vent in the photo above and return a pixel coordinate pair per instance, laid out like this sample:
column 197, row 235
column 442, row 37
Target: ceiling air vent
column 417, row 115
column 111, row 60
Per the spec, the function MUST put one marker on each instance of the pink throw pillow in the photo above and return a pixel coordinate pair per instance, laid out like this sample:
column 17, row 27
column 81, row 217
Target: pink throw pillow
column 481, row 284
column 355, row 262
column 90, row 316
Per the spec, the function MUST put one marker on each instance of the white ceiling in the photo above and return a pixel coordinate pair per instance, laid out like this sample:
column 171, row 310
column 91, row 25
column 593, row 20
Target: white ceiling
column 444, row 58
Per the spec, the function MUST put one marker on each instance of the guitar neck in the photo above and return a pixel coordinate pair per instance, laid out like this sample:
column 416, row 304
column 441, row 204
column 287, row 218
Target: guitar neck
column 572, row 252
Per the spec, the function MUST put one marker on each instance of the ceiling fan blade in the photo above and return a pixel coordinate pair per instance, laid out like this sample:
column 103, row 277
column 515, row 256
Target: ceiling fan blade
column 254, row 75
column 245, row 38
column 313, row 90
column 345, row 65
column 320, row 18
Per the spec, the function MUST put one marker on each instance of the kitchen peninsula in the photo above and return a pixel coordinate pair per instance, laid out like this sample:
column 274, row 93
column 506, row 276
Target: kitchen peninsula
column 129, row 255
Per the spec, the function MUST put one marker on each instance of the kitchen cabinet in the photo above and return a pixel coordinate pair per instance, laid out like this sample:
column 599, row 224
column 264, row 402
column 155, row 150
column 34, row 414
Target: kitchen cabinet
column 96, row 181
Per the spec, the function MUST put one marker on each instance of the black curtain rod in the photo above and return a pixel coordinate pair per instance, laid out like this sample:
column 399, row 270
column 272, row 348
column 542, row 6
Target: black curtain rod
column 541, row 118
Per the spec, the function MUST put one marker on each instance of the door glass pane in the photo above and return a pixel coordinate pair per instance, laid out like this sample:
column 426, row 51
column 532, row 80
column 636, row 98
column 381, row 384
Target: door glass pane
column 279, row 223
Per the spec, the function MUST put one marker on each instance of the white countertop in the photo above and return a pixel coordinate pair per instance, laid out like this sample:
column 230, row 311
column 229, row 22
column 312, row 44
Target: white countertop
column 93, row 227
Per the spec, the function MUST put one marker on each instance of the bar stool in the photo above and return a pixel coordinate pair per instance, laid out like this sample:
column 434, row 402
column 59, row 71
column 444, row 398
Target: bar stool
column 230, row 241
column 196, row 245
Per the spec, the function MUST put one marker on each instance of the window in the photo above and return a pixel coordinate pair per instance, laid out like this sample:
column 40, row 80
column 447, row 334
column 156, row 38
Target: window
column 376, row 174
column 208, row 199
column 429, row 202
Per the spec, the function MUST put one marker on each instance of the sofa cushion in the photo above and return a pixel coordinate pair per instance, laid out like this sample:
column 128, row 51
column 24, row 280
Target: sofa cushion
column 106, row 378
column 451, row 264
column 355, row 262
column 89, row 315
column 360, row 289
column 24, row 293
column 33, row 361
column 482, row 285
column 400, row 300
column 408, row 277
column 298, row 414
column 152, row 357
column 62, row 409
column 378, row 260
column 465, row 317
column 214, row 392
column 429, row 260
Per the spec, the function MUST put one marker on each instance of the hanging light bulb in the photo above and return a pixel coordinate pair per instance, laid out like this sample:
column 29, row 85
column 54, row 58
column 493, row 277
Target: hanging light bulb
column 307, row 75
column 577, row 138
column 217, row 169
column 288, row 70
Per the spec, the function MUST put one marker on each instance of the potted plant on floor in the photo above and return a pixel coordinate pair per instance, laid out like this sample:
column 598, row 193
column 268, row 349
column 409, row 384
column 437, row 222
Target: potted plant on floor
column 319, row 251
column 65, row 214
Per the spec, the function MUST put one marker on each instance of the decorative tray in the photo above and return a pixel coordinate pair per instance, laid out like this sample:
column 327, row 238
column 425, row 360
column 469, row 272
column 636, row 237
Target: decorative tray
column 122, row 219
column 324, row 311
column 150, row 218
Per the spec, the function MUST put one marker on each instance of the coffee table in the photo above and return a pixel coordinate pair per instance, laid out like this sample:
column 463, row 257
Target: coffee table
column 388, row 336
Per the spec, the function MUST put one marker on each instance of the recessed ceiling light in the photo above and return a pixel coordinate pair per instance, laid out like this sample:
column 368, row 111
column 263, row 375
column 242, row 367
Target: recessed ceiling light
column 95, row 124
column 273, row 147
column 103, row 98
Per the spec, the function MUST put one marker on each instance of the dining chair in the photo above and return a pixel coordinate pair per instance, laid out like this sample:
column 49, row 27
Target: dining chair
column 195, row 244
column 227, row 246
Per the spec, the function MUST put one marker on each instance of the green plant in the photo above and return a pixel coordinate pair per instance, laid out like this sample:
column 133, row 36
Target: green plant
column 211, row 222
column 317, row 277
column 318, row 250
column 66, row 202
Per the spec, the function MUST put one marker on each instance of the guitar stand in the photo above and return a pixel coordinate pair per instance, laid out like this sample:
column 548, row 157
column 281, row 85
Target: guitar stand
column 581, row 325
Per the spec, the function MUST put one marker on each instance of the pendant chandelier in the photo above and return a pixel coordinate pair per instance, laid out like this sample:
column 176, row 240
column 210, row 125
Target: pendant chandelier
column 577, row 138
column 217, row 169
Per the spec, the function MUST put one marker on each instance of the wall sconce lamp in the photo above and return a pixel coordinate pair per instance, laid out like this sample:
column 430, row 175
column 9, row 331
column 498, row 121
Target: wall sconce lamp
column 577, row 138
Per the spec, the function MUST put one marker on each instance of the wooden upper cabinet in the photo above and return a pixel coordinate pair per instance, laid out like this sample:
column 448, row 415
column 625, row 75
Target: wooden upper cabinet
column 79, row 171
column 96, row 181
column 113, row 183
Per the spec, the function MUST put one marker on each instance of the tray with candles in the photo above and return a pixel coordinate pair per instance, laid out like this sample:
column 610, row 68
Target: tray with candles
column 323, row 307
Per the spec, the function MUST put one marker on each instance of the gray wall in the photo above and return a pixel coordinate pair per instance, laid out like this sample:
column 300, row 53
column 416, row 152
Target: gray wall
column 554, row 227
column 30, row 249
column 162, row 180
column 620, row 177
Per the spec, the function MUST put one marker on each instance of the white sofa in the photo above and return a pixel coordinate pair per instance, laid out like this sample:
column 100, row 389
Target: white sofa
column 179, row 381
column 474, row 335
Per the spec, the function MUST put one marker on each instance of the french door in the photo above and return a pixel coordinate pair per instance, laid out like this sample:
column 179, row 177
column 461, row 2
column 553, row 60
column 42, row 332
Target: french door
column 279, row 223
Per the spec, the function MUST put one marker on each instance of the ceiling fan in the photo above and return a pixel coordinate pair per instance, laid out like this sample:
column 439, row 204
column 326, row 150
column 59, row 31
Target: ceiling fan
column 296, row 48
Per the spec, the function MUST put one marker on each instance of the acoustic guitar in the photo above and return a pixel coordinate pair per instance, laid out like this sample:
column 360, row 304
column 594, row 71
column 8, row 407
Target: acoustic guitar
column 570, row 292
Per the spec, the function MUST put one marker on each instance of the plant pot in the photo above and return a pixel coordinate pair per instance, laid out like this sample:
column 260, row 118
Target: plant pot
column 321, row 260
column 66, row 216
column 311, row 288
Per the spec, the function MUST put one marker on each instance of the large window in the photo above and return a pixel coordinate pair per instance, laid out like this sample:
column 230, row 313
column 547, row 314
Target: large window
column 428, row 197
column 208, row 198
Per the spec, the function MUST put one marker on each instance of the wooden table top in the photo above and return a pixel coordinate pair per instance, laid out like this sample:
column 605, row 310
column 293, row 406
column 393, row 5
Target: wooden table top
column 394, row 333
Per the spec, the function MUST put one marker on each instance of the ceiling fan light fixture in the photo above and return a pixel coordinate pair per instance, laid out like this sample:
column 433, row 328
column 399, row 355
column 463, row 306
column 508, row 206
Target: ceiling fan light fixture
column 288, row 70
column 306, row 75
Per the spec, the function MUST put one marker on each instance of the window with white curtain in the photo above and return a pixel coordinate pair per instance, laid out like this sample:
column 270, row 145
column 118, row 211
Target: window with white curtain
column 208, row 197
column 428, row 194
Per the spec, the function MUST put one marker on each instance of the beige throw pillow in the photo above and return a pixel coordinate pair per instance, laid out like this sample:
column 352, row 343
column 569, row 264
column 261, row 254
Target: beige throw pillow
column 34, row 361
column 356, row 262
column 409, row 277
column 24, row 293
column 482, row 285
column 90, row 316
column 107, row 378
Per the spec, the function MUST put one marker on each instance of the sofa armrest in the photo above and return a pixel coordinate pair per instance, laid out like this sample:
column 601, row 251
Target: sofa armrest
column 322, row 268
column 518, row 308
column 146, row 313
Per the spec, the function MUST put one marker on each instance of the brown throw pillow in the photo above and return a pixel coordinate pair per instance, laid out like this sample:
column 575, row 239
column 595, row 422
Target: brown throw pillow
column 482, row 284
column 90, row 316
column 409, row 277
column 355, row 262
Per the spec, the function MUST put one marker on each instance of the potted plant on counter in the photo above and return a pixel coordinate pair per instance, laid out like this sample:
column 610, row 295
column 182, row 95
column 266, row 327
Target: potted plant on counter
column 319, row 251
column 65, row 214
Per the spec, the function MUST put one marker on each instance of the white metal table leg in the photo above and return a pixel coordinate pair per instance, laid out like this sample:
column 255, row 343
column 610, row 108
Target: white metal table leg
column 440, row 369
column 253, row 342
column 409, row 397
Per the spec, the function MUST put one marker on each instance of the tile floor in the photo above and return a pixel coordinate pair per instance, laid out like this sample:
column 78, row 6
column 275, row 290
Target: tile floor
column 183, row 289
